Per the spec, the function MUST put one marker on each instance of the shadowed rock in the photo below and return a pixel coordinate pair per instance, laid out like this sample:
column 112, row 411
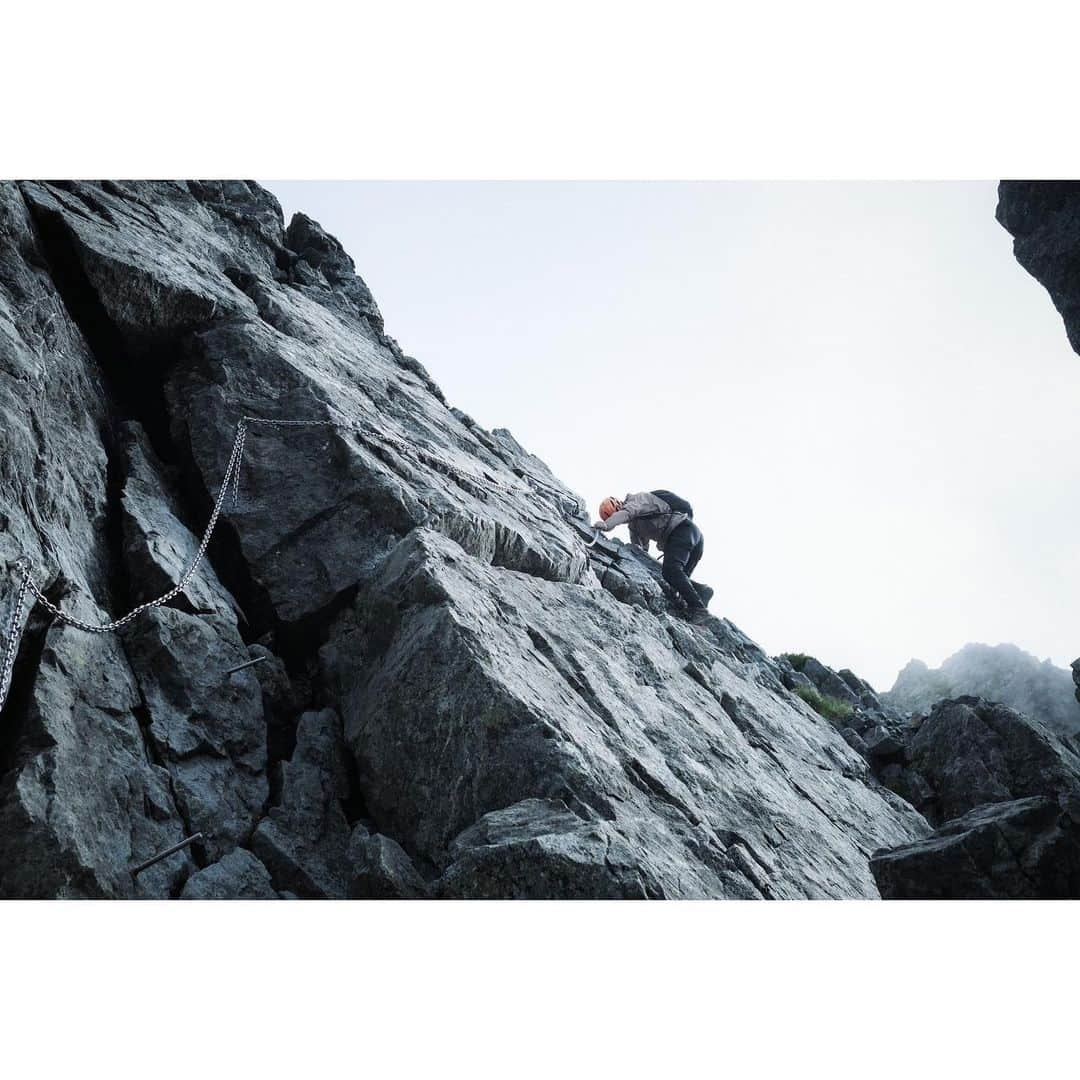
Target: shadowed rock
column 1044, row 219
column 237, row 876
column 157, row 547
column 969, row 752
column 1027, row 849
column 304, row 840
column 380, row 870
column 206, row 728
column 82, row 801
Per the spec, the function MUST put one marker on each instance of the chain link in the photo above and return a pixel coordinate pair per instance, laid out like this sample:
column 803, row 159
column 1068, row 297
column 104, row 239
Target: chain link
column 13, row 635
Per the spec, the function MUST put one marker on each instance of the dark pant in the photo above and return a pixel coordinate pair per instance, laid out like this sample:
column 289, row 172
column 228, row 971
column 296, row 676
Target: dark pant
column 682, row 552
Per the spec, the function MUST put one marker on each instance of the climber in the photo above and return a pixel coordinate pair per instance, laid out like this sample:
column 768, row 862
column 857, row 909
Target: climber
column 667, row 519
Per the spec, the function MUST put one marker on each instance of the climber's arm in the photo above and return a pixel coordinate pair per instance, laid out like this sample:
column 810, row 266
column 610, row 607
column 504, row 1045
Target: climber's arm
column 620, row 517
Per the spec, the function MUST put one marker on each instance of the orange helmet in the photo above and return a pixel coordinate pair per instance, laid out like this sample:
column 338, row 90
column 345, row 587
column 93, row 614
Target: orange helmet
column 608, row 507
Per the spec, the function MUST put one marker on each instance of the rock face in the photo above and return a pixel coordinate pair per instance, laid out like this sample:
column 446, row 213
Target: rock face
column 1001, row 673
column 871, row 728
column 603, row 726
column 456, row 694
column 304, row 838
column 1044, row 219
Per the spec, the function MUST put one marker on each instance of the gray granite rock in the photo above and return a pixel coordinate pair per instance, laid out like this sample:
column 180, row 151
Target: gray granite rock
column 304, row 840
column 236, row 876
column 1025, row 849
column 381, row 870
column 828, row 681
column 539, row 850
column 205, row 727
column 157, row 547
column 882, row 745
column 971, row 752
column 82, row 800
column 466, row 690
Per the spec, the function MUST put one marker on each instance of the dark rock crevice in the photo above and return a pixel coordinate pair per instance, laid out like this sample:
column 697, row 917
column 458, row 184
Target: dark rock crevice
column 136, row 382
column 197, row 850
column 13, row 720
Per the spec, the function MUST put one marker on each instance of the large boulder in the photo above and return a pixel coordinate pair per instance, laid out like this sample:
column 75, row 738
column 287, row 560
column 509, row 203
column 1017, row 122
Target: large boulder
column 827, row 681
column 467, row 689
column 1024, row 849
column 381, row 870
column 970, row 752
column 539, row 850
column 236, row 876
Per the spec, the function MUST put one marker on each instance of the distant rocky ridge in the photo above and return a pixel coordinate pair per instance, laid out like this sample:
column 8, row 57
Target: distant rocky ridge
column 1003, row 673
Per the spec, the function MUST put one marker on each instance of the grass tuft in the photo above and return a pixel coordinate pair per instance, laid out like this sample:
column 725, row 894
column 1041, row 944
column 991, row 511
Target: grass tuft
column 829, row 707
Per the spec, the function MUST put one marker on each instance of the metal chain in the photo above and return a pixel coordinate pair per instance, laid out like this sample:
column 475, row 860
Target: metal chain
column 13, row 635
column 232, row 473
column 241, row 438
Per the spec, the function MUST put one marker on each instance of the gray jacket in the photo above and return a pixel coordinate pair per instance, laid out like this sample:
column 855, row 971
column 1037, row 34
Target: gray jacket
column 649, row 518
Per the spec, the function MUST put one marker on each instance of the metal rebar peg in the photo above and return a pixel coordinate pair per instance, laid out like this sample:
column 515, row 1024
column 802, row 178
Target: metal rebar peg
column 241, row 667
column 136, row 870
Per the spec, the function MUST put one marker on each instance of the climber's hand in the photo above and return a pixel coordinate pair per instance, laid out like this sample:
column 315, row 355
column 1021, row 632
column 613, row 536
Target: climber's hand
column 602, row 526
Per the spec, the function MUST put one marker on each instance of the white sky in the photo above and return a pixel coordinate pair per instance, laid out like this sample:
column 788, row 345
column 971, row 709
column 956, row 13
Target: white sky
column 871, row 406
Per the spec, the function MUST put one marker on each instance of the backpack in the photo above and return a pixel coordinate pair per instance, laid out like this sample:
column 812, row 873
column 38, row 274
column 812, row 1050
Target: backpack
column 676, row 503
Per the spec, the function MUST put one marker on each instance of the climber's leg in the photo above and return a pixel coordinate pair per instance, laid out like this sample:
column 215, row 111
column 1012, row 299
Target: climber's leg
column 678, row 550
column 703, row 591
column 695, row 555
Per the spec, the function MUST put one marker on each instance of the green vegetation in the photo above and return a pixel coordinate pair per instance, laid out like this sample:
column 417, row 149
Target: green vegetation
column 796, row 659
column 829, row 707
